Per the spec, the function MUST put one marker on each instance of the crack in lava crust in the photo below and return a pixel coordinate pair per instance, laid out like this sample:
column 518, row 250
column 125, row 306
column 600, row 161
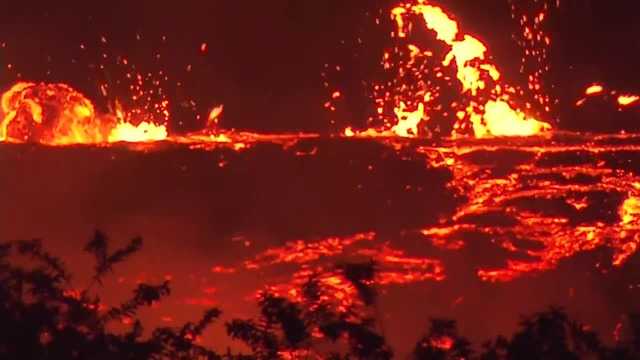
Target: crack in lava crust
column 538, row 200
column 545, row 202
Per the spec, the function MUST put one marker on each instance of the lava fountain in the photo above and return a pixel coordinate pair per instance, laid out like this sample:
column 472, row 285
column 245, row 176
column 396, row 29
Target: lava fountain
column 487, row 109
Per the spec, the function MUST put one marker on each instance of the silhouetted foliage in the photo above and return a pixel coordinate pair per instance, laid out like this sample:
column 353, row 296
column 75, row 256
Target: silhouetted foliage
column 548, row 335
column 180, row 343
column 362, row 276
column 628, row 344
column 99, row 248
column 443, row 343
column 286, row 327
column 42, row 316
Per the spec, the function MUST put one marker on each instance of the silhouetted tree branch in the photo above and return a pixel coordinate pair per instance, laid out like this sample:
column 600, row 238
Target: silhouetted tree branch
column 43, row 317
column 99, row 248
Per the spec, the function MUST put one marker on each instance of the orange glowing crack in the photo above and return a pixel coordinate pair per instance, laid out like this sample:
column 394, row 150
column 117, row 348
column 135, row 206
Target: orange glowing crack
column 556, row 237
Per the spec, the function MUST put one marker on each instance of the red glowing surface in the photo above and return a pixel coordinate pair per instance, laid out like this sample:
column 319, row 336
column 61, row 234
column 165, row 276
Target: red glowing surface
column 489, row 117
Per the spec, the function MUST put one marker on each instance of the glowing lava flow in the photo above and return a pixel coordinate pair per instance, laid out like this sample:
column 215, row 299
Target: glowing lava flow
column 488, row 110
column 394, row 266
column 542, row 208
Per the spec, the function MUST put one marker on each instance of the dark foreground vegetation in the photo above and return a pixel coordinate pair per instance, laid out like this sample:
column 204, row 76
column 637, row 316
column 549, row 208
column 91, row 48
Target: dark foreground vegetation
column 42, row 317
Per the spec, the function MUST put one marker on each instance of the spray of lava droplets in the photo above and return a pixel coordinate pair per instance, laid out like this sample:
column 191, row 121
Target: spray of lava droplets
column 487, row 110
column 56, row 114
column 622, row 100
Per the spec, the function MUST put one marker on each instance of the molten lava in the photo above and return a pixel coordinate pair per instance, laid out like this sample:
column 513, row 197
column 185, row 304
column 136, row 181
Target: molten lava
column 539, row 210
column 533, row 237
column 518, row 195
column 52, row 114
column 594, row 89
column 56, row 114
column 628, row 100
column 143, row 132
column 487, row 109
column 622, row 100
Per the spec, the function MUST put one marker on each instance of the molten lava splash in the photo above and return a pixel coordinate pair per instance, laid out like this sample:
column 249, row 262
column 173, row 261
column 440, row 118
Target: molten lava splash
column 487, row 110
column 622, row 100
column 628, row 100
column 594, row 89
column 501, row 120
column 214, row 116
column 56, row 114
column 50, row 114
column 535, row 41
column 143, row 132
